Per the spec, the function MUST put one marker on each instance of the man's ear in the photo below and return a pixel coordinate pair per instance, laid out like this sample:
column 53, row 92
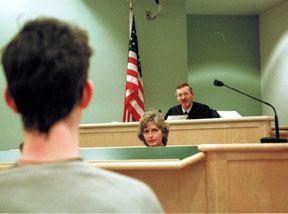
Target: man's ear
column 87, row 94
column 9, row 100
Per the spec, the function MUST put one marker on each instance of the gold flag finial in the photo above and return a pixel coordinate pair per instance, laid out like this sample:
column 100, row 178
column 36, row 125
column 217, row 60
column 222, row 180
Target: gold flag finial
column 130, row 5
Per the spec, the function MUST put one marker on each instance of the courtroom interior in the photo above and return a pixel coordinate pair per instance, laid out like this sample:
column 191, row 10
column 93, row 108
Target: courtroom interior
column 214, row 165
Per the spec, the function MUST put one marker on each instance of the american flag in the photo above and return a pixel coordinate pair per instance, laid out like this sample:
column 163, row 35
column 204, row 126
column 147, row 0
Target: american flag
column 134, row 96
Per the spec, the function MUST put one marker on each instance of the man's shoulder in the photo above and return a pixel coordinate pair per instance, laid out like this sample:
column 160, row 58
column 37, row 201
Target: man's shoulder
column 74, row 168
column 200, row 105
column 124, row 186
column 204, row 111
column 176, row 108
column 80, row 176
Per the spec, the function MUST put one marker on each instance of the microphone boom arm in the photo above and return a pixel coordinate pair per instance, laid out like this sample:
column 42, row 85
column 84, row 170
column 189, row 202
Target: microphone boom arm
column 276, row 117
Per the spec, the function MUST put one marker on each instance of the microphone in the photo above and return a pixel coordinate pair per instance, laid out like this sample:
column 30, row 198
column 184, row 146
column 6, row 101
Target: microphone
column 218, row 83
column 276, row 139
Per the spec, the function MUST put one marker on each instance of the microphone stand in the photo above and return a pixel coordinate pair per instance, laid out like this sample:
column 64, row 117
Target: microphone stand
column 276, row 139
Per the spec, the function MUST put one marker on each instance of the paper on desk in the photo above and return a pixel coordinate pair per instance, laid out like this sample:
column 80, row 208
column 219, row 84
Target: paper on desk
column 177, row 117
column 229, row 114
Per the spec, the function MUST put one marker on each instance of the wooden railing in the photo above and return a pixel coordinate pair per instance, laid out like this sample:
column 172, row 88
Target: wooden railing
column 283, row 132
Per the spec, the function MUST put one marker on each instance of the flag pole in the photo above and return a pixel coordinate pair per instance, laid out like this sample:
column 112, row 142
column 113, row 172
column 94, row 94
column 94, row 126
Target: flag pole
column 134, row 93
column 130, row 16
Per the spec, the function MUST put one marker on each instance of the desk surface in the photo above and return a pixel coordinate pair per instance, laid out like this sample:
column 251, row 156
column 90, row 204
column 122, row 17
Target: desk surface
column 181, row 122
column 123, row 153
column 184, row 132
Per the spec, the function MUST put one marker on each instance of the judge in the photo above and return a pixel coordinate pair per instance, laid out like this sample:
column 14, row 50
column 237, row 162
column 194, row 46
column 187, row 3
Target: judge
column 194, row 110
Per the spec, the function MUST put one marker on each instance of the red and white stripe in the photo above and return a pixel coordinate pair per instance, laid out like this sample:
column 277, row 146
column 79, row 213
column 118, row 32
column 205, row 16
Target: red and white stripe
column 134, row 97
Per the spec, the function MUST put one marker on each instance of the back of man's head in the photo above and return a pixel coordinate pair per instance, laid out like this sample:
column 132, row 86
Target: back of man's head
column 46, row 67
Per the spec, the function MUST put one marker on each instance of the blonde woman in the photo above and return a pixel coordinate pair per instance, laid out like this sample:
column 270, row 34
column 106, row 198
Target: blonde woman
column 153, row 130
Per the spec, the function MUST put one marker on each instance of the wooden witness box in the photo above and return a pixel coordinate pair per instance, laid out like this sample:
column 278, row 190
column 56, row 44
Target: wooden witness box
column 184, row 132
column 218, row 178
column 208, row 178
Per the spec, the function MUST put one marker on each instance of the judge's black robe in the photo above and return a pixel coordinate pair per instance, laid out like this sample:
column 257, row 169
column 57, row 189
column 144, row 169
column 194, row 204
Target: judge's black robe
column 198, row 111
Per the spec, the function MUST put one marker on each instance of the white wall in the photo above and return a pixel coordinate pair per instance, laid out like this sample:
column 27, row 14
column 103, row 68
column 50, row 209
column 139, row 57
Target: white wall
column 274, row 60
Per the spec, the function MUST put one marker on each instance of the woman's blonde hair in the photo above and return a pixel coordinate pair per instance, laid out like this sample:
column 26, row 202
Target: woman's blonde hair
column 157, row 118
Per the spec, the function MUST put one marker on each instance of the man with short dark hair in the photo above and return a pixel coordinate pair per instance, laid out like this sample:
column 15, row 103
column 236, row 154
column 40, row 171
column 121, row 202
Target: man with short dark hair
column 46, row 66
column 194, row 110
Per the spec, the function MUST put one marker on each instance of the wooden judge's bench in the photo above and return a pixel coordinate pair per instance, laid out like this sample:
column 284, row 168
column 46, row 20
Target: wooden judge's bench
column 184, row 132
